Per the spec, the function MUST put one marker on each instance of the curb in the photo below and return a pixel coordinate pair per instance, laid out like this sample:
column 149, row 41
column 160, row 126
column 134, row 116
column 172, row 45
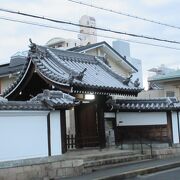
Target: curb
column 144, row 171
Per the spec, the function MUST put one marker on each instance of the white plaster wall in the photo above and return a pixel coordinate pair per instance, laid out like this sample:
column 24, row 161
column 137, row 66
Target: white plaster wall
column 23, row 135
column 175, row 128
column 140, row 118
column 55, row 128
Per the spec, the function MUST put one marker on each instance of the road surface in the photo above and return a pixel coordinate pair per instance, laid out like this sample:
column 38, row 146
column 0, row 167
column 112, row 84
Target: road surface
column 172, row 174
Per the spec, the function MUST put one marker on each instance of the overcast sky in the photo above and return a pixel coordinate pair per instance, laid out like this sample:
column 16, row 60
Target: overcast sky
column 15, row 36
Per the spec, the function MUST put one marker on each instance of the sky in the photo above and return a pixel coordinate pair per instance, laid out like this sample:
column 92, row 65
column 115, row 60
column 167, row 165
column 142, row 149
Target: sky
column 15, row 36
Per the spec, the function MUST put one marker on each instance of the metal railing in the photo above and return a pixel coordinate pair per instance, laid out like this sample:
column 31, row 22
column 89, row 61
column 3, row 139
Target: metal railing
column 143, row 137
column 138, row 140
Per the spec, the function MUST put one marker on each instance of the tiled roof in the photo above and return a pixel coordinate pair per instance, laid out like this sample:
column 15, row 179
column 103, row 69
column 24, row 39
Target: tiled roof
column 173, row 75
column 22, row 73
column 13, row 67
column 161, row 104
column 89, row 46
column 79, row 72
column 55, row 99
column 22, row 105
column 44, row 101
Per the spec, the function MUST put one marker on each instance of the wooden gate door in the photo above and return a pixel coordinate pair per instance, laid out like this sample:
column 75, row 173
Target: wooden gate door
column 86, row 126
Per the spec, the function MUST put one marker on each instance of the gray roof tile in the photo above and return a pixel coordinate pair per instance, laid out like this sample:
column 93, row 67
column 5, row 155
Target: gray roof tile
column 44, row 101
column 161, row 104
column 55, row 99
column 16, row 64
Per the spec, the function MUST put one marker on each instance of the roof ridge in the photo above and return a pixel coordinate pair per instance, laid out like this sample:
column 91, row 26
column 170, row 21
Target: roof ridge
column 144, row 105
column 66, row 51
column 66, row 68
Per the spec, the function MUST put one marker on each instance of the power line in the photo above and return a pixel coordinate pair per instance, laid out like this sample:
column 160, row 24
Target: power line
column 76, row 31
column 97, row 28
column 125, row 14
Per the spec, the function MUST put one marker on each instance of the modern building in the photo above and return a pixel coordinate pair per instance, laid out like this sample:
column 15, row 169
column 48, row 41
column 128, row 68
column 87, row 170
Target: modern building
column 164, row 82
column 87, row 35
column 123, row 48
column 62, row 43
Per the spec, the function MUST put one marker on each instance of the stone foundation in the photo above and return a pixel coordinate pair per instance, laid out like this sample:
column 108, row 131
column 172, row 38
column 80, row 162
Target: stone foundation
column 40, row 169
column 164, row 153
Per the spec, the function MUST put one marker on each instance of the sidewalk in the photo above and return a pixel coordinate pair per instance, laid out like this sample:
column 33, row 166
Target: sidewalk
column 131, row 169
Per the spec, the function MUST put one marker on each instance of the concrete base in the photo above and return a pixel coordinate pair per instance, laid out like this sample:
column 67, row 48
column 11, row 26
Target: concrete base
column 164, row 153
column 40, row 168
column 144, row 146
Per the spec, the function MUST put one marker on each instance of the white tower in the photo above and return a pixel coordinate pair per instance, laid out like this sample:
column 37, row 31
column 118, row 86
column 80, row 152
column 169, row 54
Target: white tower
column 87, row 35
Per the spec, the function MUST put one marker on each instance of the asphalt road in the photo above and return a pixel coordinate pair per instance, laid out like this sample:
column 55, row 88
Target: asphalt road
column 172, row 174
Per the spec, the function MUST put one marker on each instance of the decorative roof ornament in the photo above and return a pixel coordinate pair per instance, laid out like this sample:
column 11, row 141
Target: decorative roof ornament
column 33, row 46
column 127, row 80
column 71, row 78
column 136, row 83
column 81, row 75
column 78, row 77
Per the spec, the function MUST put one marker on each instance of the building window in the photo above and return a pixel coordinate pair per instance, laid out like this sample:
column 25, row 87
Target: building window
column 170, row 93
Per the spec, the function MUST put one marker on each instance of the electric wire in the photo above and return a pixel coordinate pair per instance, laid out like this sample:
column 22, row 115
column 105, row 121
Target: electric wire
column 97, row 28
column 76, row 31
column 125, row 14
